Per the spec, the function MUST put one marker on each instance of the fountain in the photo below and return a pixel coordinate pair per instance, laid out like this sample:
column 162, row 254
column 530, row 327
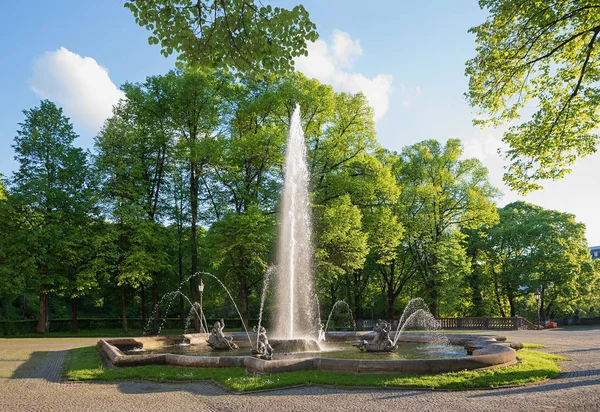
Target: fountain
column 295, row 312
column 296, row 327
column 335, row 305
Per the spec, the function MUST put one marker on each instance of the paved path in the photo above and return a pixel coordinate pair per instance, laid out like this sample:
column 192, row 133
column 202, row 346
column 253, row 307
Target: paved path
column 30, row 381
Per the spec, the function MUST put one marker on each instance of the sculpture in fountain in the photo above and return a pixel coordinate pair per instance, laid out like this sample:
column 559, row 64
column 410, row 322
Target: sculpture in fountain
column 381, row 342
column 321, row 333
column 217, row 340
column 263, row 349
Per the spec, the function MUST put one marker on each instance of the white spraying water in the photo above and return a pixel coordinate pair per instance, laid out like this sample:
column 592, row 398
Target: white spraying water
column 295, row 310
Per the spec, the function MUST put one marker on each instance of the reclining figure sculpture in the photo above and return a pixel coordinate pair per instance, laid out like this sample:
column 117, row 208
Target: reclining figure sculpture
column 217, row 340
column 381, row 342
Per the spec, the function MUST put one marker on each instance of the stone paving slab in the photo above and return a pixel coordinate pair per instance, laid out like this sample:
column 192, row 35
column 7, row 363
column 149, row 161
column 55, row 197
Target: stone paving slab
column 36, row 386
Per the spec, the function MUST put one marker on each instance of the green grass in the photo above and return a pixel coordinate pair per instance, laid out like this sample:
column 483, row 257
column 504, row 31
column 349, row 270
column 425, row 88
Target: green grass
column 533, row 367
column 533, row 345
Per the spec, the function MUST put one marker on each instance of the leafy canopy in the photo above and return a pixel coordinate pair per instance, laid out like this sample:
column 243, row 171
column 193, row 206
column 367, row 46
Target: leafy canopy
column 237, row 34
column 542, row 54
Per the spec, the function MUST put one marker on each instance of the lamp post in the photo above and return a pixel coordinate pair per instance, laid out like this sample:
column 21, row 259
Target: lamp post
column 537, row 295
column 372, row 307
column 201, row 290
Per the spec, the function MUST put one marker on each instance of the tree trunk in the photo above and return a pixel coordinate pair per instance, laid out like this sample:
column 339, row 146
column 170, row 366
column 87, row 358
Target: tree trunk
column 123, row 314
column 391, row 298
column 513, row 307
column 42, row 326
column 243, row 298
column 156, row 311
column 194, row 239
column 143, row 298
column 180, row 259
column 73, row 315
column 433, row 295
column 332, row 293
column 357, row 307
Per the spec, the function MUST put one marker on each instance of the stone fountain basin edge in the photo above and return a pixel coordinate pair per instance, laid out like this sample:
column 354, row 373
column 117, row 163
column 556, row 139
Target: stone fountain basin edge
column 486, row 354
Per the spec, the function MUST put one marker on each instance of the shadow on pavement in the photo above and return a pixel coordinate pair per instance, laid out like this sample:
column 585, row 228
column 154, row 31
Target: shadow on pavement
column 544, row 387
column 27, row 369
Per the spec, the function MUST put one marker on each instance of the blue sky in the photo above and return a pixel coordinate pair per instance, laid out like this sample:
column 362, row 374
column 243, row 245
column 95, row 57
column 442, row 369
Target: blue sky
column 407, row 56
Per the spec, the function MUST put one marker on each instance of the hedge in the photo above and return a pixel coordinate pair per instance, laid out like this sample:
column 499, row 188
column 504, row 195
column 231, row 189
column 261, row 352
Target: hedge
column 24, row 327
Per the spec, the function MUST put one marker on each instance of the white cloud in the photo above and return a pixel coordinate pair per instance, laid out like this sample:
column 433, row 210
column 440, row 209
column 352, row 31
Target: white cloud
column 576, row 193
column 78, row 84
column 332, row 65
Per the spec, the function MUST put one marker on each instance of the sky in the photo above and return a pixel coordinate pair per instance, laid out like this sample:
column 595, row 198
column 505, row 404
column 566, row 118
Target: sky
column 407, row 57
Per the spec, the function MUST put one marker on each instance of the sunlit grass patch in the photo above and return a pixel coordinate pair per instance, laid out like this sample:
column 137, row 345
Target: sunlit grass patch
column 533, row 366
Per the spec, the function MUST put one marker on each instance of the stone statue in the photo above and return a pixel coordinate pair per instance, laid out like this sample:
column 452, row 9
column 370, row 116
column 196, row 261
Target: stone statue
column 262, row 350
column 381, row 342
column 321, row 335
column 217, row 340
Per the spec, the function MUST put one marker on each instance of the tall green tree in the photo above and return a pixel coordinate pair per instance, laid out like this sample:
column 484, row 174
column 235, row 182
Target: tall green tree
column 441, row 193
column 51, row 191
column 241, row 186
column 535, row 249
column 342, row 249
column 546, row 53
column 243, row 35
column 130, row 157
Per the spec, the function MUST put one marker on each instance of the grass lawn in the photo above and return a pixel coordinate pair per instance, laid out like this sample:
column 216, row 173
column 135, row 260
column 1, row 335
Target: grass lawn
column 533, row 345
column 534, row 366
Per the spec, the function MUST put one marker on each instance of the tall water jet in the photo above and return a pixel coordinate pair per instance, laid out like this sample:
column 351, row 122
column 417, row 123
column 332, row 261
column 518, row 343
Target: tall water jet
column 294, row 315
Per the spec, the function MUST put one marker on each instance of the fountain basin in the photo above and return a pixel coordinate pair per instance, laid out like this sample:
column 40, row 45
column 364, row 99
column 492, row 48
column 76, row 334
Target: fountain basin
column 294, row 345
column 490, row 354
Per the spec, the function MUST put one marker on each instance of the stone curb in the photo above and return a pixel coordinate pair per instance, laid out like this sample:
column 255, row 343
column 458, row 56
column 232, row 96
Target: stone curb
column 488, row 355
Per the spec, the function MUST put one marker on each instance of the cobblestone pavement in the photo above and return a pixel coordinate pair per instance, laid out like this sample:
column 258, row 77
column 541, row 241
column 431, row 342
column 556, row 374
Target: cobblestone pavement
column 30, row 372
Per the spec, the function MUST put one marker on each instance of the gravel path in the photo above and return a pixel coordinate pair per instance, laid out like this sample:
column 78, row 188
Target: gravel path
column 30, row 381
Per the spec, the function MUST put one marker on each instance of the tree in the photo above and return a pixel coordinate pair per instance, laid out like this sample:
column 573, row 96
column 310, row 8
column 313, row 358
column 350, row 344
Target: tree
column 197, row 110
column 479, row 297
column 544, row 52
column 130, row 158
column 440, row 194
column 241, row 186
column 51, row 191
column 535, row 249
column 342, row 248
column 237, row 34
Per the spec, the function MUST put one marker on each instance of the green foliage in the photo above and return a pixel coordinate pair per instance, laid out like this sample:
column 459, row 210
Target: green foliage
column 441, row 193
column 342, row 243
column 187, row 176
column 237, row 34
column 50, row 193
column 532, row 249
column 546, row 54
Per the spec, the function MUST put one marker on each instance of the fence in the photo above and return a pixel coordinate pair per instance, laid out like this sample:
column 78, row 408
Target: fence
column 512, row 323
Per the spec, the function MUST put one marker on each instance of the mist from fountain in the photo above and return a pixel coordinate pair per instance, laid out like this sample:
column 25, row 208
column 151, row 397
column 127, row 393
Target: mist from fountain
column 295, row 313
column 232, row 301
column 335, row 305
column 193, row 305
column 194, row 310
column 416, row 315
column 266, row 281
